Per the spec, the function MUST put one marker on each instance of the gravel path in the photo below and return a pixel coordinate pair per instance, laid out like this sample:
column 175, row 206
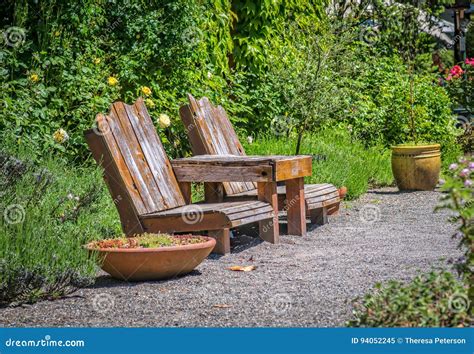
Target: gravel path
column 304, row 281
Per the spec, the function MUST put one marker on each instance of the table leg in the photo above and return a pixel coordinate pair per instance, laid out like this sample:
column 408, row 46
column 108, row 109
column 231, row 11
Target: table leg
column 295, row 203
column 269, row 229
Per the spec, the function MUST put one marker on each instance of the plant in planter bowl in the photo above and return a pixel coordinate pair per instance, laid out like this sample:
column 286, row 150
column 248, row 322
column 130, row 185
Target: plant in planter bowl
column 415, row 165
column 151, row 256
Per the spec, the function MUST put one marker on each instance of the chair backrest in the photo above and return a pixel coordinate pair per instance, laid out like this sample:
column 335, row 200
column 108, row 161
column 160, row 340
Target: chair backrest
column 211, row 133
column 126, row 144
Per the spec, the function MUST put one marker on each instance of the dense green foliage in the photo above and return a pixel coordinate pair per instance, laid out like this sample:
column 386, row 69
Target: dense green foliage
column 338, row 159
column 459, row 198
column 48, row 213
column 437, row 299
column 379, row 104
column 460, row 86
column 63, row 63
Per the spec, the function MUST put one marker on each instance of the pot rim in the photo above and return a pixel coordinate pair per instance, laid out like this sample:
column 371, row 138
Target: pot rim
column 210, row 242
column 408, row 146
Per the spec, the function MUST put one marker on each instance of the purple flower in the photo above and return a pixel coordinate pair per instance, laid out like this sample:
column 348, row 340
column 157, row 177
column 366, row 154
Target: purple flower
column 471, row 165
column 468, row 183
column 453, row 166
column 464, row 172
column 441, row 181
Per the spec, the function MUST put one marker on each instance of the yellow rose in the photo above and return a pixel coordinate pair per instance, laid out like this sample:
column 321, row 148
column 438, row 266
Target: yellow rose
column 60, row 136
column 34, row 77
column 112, row 81
column 97, row 61
column 149, row 102
column 164, row 121
column 146, row 91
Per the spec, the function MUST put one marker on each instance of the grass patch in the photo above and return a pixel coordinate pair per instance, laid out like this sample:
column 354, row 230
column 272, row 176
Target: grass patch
column 337, row 159
column 47, row 213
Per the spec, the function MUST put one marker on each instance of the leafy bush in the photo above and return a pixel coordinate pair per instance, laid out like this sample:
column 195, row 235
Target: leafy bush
column 338, row 159
column 47, row 213
column 459, row 198
column 437, row 299
column 460, row 86
column 379, row 106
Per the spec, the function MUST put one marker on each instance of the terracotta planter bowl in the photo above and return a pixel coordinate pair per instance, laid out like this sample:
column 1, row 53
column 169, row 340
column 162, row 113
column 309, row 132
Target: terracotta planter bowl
column 137, row 264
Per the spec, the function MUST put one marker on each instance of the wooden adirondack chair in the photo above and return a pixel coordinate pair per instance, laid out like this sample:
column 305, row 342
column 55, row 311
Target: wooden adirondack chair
column 211, row 133
column 144, row 187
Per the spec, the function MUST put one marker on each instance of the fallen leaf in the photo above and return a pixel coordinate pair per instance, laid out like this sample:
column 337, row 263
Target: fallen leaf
column 222, row 306
column 242, row 268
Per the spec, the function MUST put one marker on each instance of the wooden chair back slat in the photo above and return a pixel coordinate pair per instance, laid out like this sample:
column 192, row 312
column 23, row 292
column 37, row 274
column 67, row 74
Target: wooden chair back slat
column 139, row 156
column 158, row 162
column 105, row 128
column 210, row 132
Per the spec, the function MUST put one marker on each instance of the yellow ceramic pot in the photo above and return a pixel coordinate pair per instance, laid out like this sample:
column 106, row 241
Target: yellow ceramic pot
column 416, row 167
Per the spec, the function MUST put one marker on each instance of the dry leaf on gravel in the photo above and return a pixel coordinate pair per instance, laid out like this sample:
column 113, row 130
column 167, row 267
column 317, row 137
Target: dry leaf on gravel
column 242, row 268
column 222, row 306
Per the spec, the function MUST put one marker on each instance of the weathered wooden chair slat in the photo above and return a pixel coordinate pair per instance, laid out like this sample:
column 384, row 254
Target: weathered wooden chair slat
column 211, row 133
column 218, row 138
column 145, row 189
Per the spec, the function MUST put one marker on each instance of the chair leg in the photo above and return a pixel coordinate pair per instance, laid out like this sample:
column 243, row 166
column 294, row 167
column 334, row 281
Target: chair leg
column 334, row 210
column 319, row 216
column 222, row 241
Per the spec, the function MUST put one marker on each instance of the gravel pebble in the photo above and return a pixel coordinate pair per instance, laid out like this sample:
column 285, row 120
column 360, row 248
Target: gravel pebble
column 303, row 281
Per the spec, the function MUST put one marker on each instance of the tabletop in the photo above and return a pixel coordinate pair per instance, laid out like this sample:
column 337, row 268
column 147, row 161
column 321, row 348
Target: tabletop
column 232, row 168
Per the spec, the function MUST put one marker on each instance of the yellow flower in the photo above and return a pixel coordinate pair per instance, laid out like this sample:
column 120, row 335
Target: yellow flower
column 97, row 61
column 112, row 81
column 34, row 77
column 149, row 102
column 57, row 33
column 164, row 121
column 146, row 91
column 60, row 136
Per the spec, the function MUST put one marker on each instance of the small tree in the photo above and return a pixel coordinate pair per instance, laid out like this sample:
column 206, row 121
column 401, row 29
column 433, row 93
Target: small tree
column 303, row 74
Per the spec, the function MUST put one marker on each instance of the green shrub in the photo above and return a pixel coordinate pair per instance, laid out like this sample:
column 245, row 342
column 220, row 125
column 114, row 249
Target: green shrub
column 379, row 105
column 338, row 159
column 437, row 299
column 47, row 213
column 459, row 198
